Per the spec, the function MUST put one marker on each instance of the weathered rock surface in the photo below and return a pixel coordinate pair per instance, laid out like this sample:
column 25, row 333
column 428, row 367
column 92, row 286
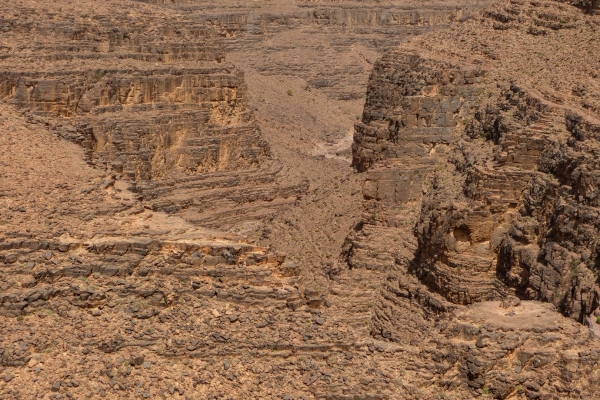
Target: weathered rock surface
column 103, row 297
column 108, row 285
column 479, row 187
column 125, row 134
column 156, row 105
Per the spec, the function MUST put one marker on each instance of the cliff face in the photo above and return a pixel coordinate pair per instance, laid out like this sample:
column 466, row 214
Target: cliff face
column 520, row 218
column 165, row 128
column 124, row 134
column 480, row 187
column 517, row 202
column 153, row 123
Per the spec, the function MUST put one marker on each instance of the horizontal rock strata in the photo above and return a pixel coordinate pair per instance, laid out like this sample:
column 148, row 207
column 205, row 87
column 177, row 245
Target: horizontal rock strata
column 478, row 203
column 159, row 125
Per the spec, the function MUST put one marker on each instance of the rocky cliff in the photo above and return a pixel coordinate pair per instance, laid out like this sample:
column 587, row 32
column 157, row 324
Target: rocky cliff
column 180, row 131
column 479, row 188
column 127, row 140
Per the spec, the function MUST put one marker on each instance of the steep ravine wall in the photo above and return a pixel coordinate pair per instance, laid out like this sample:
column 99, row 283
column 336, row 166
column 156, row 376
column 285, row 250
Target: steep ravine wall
column 413, row 111
column 481, row 193
column 179, row 132
column 502, row 195
column 480, row 217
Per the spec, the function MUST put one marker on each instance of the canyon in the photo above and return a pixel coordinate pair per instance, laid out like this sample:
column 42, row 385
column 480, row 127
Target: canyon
column 297, row 200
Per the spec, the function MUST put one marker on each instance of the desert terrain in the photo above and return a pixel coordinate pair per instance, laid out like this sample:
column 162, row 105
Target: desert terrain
column 301, row 199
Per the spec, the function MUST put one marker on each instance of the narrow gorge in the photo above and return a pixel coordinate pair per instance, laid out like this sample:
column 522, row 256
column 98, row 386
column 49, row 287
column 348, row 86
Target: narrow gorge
column 299, row 200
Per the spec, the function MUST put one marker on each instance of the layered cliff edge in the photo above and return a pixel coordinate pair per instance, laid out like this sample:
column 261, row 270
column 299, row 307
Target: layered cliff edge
column 472, row 269
column 479, row 148
column 154, row 103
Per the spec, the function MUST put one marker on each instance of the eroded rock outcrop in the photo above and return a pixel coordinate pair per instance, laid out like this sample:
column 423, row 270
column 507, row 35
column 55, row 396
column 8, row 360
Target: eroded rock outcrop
column 414, row 108
column 478, row 189
column 110, row 283
column 184, row 123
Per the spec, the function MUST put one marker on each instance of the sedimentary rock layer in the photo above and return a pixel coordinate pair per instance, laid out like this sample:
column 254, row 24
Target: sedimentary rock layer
column 479, row 189
column 156, row 125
